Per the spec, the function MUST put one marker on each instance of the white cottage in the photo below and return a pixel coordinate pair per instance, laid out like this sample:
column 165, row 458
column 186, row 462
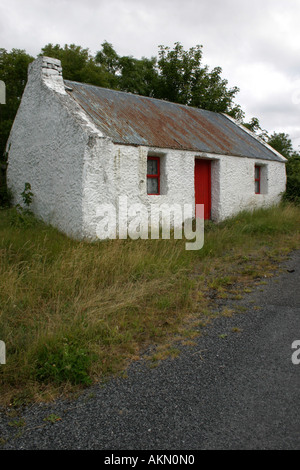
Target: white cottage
column 82, row 146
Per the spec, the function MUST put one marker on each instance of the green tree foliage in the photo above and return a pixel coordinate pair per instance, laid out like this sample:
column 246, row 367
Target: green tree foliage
column 138, row 75
column 180, row 72
column 108, row 57
column 255, row 127
column 183, row 79
column 128, row 74
column 293, row 179
column 283, row 144
column 13, row 71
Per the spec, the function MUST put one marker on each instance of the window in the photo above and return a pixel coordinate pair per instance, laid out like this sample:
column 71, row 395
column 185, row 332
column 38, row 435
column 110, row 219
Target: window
column 153, row 175
column 257, row 177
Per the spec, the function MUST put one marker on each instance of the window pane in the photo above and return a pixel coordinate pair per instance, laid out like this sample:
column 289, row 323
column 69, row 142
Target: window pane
column 152, row 185
column 152, row 167
column 257, row 172
column 257, row 187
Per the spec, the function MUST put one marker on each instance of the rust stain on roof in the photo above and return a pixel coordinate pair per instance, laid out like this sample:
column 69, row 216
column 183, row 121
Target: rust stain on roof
column 138, row 120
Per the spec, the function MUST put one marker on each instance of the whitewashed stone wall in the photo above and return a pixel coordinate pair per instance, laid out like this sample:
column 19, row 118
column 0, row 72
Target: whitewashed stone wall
column 237, row 187
column 112, row 171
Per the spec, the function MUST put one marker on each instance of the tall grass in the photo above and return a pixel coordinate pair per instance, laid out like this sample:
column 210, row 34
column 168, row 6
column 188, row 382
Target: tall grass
column 72, row 312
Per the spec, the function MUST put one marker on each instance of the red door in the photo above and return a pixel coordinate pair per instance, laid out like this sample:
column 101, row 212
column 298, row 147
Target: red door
column 203, row 185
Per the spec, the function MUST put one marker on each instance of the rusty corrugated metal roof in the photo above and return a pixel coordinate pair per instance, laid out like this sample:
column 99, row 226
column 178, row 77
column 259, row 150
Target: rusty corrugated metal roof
column 138, row 120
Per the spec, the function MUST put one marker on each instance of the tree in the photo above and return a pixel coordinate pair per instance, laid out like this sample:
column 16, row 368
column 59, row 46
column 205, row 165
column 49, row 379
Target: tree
column 293, row 179
column 179, row 71
column 282, row 143
column 183, row 79
column 109, row 59
column 255, row 127
column 138, row 75
column 127, row 73
column 13, row 71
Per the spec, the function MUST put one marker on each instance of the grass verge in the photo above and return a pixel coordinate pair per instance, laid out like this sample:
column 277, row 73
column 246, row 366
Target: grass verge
column 72, row 313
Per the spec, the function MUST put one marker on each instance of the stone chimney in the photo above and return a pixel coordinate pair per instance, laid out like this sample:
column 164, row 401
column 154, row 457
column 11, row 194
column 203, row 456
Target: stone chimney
column 51, row 67
column 50, row 71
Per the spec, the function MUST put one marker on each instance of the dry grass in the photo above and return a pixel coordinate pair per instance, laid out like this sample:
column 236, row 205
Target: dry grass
column 72, row 312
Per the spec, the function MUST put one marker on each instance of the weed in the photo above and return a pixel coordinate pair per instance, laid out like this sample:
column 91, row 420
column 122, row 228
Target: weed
column 227, row 312
column 17, row 423
column 238, row 297
column 62, row 361
column 235, row 329
column 52, row 418
column 23, row 218
column 164, row 352
column 27, row 195
column 20, row 216
column 241, row 308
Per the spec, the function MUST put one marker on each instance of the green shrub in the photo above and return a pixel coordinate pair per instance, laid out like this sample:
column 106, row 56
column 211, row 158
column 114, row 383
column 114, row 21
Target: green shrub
column 5, row 193
column 22, row 218
column 27, row 194
column 293, row 180
column 5, row 196
column 62, row 361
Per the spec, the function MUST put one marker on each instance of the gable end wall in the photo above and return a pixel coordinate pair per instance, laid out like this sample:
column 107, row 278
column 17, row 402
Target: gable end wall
column 46, row 149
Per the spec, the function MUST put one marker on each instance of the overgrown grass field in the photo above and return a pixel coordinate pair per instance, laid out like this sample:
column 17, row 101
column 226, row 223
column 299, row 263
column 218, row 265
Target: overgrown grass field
column 72, row 313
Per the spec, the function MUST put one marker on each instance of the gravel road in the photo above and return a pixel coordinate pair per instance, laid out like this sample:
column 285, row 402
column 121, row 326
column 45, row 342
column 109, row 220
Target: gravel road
column 237, row 388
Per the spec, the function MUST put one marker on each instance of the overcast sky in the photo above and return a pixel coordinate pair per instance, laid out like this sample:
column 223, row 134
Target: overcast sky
column 256, row 43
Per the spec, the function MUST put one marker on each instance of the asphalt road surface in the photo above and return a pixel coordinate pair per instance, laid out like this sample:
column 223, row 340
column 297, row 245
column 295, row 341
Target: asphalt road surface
column 237, row 388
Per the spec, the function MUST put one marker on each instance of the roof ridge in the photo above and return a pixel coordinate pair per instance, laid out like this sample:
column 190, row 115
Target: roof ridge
column 145, row 97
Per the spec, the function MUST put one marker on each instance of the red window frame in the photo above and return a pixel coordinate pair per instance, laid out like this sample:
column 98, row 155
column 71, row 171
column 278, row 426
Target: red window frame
column 257, row 180
column 155, row 176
